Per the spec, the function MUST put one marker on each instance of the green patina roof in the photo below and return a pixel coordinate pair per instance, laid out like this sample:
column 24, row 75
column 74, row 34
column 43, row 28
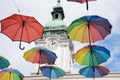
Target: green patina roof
column 56, row 23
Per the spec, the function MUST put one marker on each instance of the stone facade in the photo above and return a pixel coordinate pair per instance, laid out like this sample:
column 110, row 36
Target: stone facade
column 111, row 76
column 55, row 38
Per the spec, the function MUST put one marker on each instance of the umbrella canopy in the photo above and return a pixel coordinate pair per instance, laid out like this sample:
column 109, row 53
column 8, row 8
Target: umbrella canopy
column 11, row 74
column 89, row 29
column 82, row 1
column 92, row 55
column 21, row 28
column 52, row 72
column 4, row 63
column 40, row 55
column 94, row 71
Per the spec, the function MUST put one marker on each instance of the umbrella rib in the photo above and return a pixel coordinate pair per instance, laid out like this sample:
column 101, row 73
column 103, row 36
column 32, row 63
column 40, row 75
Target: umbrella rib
column 97, row 22
column 16, row 30
column 75, row 33
column 91, row 38
column 10, row 26
column 10, row 76
column 33, row 29
column 34, row 60
column 84, row 30
column 32, row 26
column 27, row 32
column 96, row 29
column 26, row 27
column 46, row 55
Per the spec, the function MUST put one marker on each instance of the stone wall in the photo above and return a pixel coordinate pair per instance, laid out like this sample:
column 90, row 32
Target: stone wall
column 111, row 76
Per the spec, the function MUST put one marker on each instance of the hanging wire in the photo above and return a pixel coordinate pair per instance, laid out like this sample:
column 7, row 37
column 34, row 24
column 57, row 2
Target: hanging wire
column 91, row 53
column 16, row 6
column 87, row 6
column 22, row 48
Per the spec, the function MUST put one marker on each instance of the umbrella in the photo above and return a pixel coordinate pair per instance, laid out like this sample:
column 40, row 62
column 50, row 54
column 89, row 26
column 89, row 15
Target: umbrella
column 89, row 29
column 92, row 56
column 40, row 55
column 52, row 71
column 11, row 74
column 21, row 28
column 82, row 1
column 94, row 71
column 4, row 63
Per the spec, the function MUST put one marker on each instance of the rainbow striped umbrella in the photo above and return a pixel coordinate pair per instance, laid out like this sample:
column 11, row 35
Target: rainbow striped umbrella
column 92, row 55
column 94, row 71
column 11, row 74
column 52, row 71
column 89, row 29
column 40, row 55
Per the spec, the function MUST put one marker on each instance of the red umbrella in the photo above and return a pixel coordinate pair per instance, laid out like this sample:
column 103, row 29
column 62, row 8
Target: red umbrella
column 82, row 1
column 21, row 28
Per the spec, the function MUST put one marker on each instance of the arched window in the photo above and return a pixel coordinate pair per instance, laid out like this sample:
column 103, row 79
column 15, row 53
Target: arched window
column 56, row 16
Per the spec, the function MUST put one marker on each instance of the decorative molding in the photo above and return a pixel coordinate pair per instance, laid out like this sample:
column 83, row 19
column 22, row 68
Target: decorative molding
column 110, row 76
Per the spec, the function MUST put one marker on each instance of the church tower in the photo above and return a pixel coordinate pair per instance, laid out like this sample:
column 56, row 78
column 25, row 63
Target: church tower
column 56, row 39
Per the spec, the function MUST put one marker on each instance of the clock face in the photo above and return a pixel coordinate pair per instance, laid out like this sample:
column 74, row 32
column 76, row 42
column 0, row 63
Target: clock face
column 52, row 43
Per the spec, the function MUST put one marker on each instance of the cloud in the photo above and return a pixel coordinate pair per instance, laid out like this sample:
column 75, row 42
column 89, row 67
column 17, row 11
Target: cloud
column 112, row 44
column 75, row 68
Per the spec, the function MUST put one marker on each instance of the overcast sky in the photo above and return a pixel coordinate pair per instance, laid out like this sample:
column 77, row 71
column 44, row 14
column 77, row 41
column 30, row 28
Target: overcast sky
column 41, row 10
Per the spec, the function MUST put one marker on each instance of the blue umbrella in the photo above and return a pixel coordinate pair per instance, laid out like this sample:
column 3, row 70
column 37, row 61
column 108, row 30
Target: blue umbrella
column 52, row 72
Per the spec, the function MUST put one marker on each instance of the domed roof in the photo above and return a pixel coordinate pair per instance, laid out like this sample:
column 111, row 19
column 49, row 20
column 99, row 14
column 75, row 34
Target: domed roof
column 55, row 23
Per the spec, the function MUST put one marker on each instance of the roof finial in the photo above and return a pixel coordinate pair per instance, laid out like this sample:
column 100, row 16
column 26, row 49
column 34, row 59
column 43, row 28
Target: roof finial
column 58, row 1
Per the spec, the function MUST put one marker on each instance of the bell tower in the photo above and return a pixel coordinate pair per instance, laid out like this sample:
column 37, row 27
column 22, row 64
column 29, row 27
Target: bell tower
column 58, row 12
column 56, row 39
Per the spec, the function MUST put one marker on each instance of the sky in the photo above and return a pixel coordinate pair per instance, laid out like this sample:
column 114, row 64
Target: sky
column 41, row 10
